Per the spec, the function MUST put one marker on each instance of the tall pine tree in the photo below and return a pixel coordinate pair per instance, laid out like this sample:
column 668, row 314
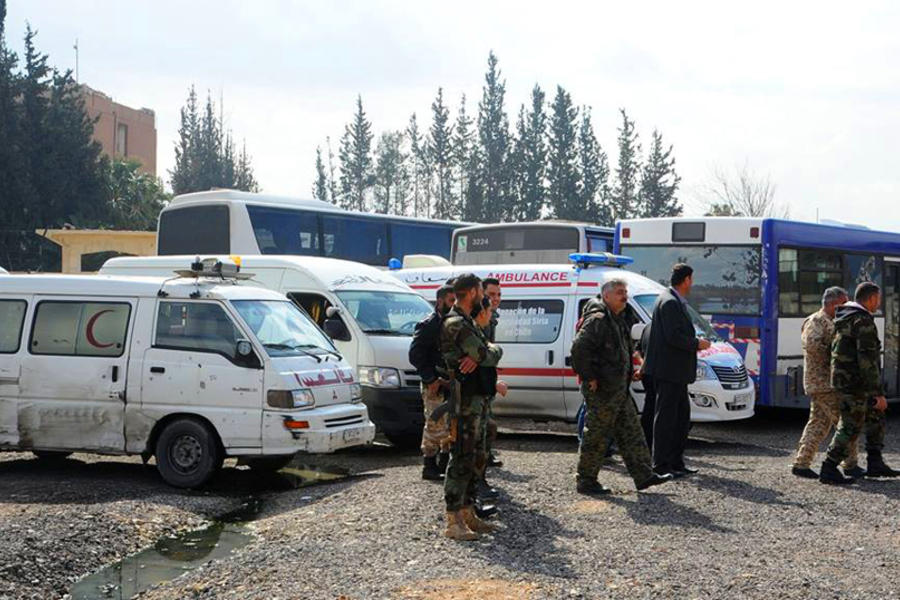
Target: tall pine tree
column 390, row 173
column 625, row 201
column 356, row 161
column 562, row 168
column 440, row 154
column 493, row 133
column 463, row 143
column 530, row 159
column 594, row 174
column 659, row 182
column 419, row 169
column 320, row 186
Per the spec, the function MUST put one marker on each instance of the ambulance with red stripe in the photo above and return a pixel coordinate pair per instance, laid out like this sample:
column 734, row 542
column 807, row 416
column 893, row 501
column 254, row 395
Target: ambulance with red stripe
column 539, row 310
column 189, row 369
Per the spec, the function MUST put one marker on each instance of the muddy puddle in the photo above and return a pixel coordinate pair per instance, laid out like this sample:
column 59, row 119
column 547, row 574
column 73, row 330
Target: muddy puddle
column 173, row 556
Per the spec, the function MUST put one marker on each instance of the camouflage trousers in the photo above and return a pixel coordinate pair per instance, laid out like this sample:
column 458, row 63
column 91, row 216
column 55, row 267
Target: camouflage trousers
column 824, row 414
column 858, row 415
column 612, row 416
column 435, row 434
column 490, row 433
column 467, row 455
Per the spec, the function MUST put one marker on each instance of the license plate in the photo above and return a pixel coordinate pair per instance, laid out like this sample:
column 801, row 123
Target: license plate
column 743, row 399
column 351, row 435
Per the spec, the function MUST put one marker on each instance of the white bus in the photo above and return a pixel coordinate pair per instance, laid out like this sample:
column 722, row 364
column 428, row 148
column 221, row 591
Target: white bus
column 232, row 222
column 757, row 279
column 538, row 242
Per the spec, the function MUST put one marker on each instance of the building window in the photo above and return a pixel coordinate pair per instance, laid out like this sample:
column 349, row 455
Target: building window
column 122, row 139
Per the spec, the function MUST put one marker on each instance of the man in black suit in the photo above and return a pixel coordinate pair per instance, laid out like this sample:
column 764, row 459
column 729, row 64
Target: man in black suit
column 672, row 363
column 649, row 412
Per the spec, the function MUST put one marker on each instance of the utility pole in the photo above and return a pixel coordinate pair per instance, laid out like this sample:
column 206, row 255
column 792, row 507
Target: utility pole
column 76, row 59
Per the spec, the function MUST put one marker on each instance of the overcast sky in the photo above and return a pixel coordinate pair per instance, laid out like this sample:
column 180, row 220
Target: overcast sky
column 806, row 93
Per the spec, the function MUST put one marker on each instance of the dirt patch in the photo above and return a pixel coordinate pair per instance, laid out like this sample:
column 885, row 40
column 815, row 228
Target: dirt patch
column 592, row 507
column 468, row 589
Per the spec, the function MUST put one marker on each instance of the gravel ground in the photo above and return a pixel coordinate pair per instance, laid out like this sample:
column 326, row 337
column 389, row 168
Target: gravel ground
column 743, row 527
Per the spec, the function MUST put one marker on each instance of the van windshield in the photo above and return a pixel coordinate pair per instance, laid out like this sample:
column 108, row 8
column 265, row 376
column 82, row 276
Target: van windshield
column 386, row 313
column 701, row 325
column 282, row 328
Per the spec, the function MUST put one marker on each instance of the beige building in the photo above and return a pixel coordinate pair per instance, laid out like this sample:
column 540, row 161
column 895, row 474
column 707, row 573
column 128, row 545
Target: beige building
column 123, row 132
column 85, row 250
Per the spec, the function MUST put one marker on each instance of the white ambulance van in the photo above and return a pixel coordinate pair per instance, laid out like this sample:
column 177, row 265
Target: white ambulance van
column 540, row 307
column 368, row 313
column 190, row 369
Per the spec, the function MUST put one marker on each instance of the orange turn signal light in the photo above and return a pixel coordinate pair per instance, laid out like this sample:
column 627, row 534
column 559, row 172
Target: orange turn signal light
column 292, row 424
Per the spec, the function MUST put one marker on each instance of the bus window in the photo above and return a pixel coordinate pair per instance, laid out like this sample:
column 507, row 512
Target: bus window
column 354, row 238
column 194, row 230
column 861, row 268
column 414, row 238
column 280, row 231
column 598, row 244
column 726, row 278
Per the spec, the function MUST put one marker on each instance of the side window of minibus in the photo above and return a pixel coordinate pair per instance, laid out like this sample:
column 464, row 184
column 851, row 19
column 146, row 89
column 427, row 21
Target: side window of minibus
column 80, row 328
column 12, row 318
column 313, row 304
column 198, row 326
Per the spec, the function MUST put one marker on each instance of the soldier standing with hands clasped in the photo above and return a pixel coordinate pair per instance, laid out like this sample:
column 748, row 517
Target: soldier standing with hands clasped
column 601, row 356
column 464, row 348
column 856, row 373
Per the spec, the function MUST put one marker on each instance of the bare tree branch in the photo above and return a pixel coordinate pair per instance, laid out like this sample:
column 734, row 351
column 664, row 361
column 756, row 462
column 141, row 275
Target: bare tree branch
column 742, row 193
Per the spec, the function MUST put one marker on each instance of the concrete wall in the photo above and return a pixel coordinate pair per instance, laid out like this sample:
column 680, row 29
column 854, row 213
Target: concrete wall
column 77, row 242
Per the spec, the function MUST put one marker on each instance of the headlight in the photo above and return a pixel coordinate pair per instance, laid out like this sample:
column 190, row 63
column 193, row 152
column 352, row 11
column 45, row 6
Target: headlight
column 704, row 371
column 704, row 401
column 383, row 377
column 355, row 392
column 290, row 399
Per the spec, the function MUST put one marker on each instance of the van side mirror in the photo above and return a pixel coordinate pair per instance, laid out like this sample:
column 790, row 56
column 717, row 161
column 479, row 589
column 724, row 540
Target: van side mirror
column 637, row 330
column 245, row 356
column 336, row 329
column 332, row 311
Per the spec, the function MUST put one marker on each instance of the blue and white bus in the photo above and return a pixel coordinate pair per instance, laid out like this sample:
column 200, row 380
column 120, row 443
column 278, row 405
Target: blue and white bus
column 534, row 242
column 231, row 222
column 757, row 279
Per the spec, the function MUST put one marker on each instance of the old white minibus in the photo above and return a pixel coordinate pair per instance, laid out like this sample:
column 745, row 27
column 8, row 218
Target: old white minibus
column 189, row 369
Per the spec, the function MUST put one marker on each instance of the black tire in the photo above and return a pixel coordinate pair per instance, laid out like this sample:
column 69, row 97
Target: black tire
column 187, row 453
column 405, row 440
column 51, row 455
column 269, row 464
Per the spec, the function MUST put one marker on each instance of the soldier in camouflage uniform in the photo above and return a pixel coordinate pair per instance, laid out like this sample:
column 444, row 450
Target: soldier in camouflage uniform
column 601, row 356
column 856, row 373
column 463, row 341
column 816, row 336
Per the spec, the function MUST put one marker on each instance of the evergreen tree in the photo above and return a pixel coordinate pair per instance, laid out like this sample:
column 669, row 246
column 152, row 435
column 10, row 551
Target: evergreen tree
column 356, row 160
column 562, row 168
column 659, row 182
column 493, row 133
column 463, row 142
column 34, row 139
column 332, row 180
column 420, row 169
column 12, row 163
column 530, row 160
column 182, row 176
column 244, row 179
column 320, row 187
column 390, row 173
column 440, row 155
column 594, row 174
column 628, row 172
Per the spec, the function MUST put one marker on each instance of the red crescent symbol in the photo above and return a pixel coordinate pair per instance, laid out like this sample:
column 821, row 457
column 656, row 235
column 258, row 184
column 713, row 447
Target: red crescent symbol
column 89, row 332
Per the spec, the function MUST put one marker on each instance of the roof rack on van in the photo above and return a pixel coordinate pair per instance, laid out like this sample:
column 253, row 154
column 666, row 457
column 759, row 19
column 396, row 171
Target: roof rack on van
column 606, row 259
column 215, row 268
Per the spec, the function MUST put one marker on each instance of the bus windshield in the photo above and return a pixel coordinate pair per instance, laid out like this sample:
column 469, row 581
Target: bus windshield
column 386, row 313
column 701, row 325
column 726, row 278
column 282, row 328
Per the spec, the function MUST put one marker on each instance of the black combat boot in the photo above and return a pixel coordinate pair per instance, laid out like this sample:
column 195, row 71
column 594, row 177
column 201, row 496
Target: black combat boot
column 430, row 470
column 591, row 487
column 484, row 491
column 493, row 461
column 876, row 467
column 654, row 479
column 856, row 472
column 829, row 473
column 484, row 511
column 804, row 472
column 442, row 461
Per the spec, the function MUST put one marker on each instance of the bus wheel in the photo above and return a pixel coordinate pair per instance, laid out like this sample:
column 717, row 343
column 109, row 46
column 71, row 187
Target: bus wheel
column 406, row 441
column 51, row 455
column 187, row 453
column 269, row 464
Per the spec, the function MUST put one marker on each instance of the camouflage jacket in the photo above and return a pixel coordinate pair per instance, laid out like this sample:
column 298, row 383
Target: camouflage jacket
column 816, row 335
column 856, row 352
column 602, row 348
column 461, row 337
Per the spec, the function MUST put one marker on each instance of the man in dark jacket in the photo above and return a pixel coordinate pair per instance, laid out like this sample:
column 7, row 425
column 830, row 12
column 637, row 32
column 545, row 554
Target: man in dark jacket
column 672, row 363
column 425, row 356
column 856, row 374
column 601, row 356
column 649, row 412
